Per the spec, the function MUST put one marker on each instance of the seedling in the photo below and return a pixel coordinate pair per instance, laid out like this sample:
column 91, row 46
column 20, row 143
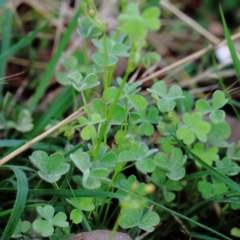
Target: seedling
column 194, row 128
column 52, row 167
column 46, row 225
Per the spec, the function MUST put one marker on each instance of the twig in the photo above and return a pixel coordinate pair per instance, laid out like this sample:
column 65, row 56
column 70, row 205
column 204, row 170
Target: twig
column 208, row 35
column 187, row 59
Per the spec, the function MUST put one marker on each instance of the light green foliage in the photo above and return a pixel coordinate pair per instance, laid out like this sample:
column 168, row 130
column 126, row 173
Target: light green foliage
column 87, row 29
column 89, row 131
column 60, row 235
column 108, row 56
column 45, row 225
column 195, row 128
column 99, row 107
column 22, row 227
column 233, row 152
column 166, row 103
column 80, row 204
column 209, row 190
column 142, row 155
column 80, row 84
column 173, row 166
column 167, row 144
column 93, row 173
column 52, row 167
column 235, row 232
column 128, row 97
column 130, row 218
column 218, row 134
column 167, row 185
column 131, row 185
column 136, row 25
column 218, row 101
column 149, row 58
column 185, row 104
column 207, row 155
column 227, row 166
column 23, row 122
column 146, row 119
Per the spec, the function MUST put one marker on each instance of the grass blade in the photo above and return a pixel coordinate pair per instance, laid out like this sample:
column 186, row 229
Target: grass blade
column 20, row 202
column 230, row 45
column 7, row 22
column 51, row 66
column 233, row 185
column 188, row 219
column 22, row 43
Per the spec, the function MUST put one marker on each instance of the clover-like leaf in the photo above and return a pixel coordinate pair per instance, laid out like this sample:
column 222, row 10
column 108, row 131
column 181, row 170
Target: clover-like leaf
column 43, row 227
column 218, row 101
column 63, row 79
column 46, row 226
column 232, row 152
column 51, row 167
column 148, row 221
column 207, row 156
column 146, row 118
column 150, row 57
column 195, row 127
column 185, row 105
column 129, row 218
column 131, row 185
column 98, row 106
column 137, row 25
column 235, row 232
column 133, row 217
column 79, row 204
column 159, row 178
column 90, row 182
column 227, row 166
column 76, row 216
column 109, row 160
column 22, row 227
column 219, row 133
column 108, row 56
column 87, row 29
column 141, row 154
column 24, row 121
column 80, row 84
column 174, row 166
column 166, row 103
column 81, row 160
column 209, row 190
column 167, row 144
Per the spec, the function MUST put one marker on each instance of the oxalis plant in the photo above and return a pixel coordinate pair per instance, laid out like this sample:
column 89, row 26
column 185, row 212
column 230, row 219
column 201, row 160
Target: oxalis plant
column 119, row 156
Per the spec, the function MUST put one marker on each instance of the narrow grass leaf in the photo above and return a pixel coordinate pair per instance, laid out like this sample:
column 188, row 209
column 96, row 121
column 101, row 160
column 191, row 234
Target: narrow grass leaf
column 201, row 236
column 20, row 202
column 188, row 219
column 230, row 45
column 22, row 43
column 6, row 31
column 52, row 64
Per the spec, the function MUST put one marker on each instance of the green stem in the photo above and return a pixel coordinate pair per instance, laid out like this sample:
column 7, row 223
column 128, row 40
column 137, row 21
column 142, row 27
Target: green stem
column 55, row 186
column 115, row 227
column 75, row 107
column 85, row 51
column 85, row 106
column 105, row 126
